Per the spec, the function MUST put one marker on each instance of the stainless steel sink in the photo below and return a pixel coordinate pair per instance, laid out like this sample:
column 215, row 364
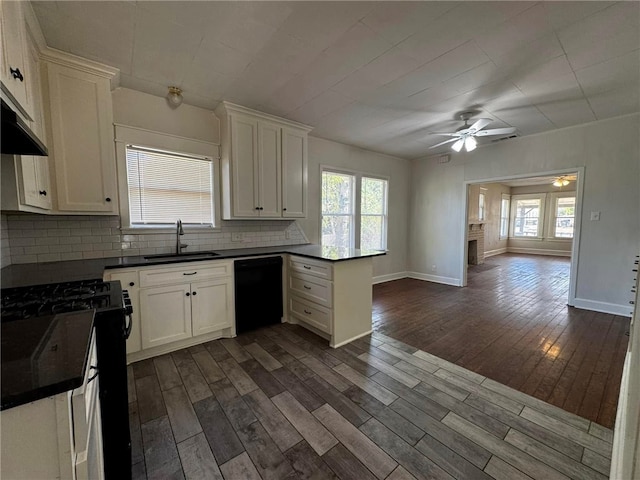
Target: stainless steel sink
column 185, row 256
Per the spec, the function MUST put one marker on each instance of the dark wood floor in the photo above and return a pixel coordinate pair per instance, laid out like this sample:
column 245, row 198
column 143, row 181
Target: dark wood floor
column 511, row 324
column 280, row 404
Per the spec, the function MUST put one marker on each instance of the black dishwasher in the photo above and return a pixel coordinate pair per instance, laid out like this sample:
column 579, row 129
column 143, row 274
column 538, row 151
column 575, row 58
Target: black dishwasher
column 258, row 293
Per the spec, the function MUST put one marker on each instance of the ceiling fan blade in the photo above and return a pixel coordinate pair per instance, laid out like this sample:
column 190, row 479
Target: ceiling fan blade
column 442, row 143
column 452, row 134
column 479, row 124
column 496, row 131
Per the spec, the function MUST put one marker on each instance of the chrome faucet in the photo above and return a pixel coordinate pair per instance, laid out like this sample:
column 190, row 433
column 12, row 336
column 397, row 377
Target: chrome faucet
column 179, row 231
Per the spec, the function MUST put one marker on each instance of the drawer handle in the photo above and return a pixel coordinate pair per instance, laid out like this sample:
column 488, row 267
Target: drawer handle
column 307, row 311
column 308, row 288
column 92, row 377
column 43, row 192
column 307, row 267
column 16, row 74
column 192, row 273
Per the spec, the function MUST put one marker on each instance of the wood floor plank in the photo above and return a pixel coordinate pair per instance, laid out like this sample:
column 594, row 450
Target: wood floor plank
column 365, row 450
column 197, row 460
column 184, row 422
column 551, row 457
column 240, row 467
column 150, row 403
column 385, row 415
column 320, row 439
column 291, row 348
column 160, row 452
column 137, row 453
column 217, row 351
column 597, row 462
column 412, row 359
column 402, row 377
column 263, row 357
column 417, row 464
column 208, row 366
column 193, row 380
column 168, row 375
column 369, row 386
column 457, row 442
column 264, row 453
column 138, row 471
column 568, row 431
column 601, row 432
column 279, row 429
column 327, row 374
column 501, row 470
column 343, row 405
column 300, row 370
column 143, row 368
column 553, row 440
column 236, row 350
column 265, row 381
column 221, row 436
column 393, row 342
column 502, row 449
column 131, row 385
column 400, row 474
column 243, row 382
column 431, row 379
column 450, row 367
column 234, row 406
column 346, row 465
column 307, row 464
column 299, row 390
column 351, row 359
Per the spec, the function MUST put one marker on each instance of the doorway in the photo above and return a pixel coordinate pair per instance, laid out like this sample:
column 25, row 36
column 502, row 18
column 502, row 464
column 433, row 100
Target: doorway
column 529, row 214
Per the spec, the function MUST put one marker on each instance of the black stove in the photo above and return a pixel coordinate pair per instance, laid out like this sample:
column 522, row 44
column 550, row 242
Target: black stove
column 112, row 322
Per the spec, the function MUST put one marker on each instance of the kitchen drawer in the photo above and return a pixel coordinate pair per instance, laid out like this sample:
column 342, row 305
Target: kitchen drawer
column 190, row 272
column 315, row 315
column 128, row 279
column 311, row 267
column 312, row 288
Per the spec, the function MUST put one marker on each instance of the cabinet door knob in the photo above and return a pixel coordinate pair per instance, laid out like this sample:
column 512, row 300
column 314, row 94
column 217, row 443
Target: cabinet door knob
column 108, row 199
column 187, row 294
column 307, row 311
column 43, row 192
column 16, row 74
column 194, row 293
column 284, row 209
column 632, row 302
column 131, row 284
column 257, row 208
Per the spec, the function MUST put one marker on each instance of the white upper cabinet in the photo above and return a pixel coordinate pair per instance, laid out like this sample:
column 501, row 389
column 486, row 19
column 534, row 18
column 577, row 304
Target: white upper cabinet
column 264, row 165
column 15, row 74
column 82, row 139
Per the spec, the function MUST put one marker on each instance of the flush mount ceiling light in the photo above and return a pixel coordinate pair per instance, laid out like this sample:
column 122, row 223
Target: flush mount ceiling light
column 560, row 182
column 174, row 97
column 465, row 135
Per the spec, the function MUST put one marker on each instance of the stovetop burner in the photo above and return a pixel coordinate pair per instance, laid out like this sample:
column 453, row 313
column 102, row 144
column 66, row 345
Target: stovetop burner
column 25, row 302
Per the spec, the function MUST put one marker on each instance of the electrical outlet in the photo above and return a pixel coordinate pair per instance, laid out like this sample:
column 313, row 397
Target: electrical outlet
column 237, row 237
column 434, row 268
column 595, row 216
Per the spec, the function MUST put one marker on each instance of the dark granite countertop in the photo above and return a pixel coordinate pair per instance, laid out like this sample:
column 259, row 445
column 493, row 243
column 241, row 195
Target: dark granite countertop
column 44, row 356
column 53, row 272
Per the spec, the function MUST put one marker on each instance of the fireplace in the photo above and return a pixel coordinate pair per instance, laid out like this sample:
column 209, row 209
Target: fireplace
column 475, row 245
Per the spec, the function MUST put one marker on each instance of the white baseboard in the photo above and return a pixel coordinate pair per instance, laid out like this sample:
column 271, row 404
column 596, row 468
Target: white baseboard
column 435, row 278
column 539, row 251
column 497, row 251
column 364, row 334
column 604, row 307
column 389, row 277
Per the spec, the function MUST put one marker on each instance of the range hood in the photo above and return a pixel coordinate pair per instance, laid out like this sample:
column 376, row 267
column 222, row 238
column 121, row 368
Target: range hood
column 16, row 136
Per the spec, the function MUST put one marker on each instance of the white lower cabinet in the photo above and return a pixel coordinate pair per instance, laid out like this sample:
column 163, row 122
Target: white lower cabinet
column 178, row 305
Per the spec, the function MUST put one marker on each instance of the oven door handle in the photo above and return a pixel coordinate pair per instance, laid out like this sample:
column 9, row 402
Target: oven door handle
column 127, row 330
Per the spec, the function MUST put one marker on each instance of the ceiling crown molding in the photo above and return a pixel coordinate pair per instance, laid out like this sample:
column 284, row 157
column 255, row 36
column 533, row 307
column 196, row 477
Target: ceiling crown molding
column 79, row 63
column 229, row 107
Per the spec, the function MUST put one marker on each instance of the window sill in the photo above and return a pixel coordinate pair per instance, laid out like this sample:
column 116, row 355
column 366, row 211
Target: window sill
column 148, row 230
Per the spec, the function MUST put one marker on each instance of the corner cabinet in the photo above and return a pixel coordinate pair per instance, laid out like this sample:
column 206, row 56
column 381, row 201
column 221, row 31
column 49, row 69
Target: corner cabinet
column 81, row 141
column 264, row 165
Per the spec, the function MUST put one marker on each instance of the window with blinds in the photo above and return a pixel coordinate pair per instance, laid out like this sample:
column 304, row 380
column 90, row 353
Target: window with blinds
column 166, row 186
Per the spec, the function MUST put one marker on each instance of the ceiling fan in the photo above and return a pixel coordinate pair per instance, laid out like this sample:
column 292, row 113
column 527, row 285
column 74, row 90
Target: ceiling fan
column 466, row 134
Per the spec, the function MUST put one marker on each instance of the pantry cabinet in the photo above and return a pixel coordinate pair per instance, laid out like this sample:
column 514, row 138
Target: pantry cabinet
column 81, row 142
column 264, row 165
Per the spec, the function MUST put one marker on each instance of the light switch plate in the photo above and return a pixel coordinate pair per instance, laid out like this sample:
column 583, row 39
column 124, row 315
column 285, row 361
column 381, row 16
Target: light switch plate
column 595, row 216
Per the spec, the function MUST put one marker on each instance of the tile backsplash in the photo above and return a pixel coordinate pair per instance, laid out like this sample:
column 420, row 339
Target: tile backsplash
column 40, row 238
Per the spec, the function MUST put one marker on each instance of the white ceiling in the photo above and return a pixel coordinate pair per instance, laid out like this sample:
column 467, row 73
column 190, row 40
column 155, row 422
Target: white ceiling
column 379, row 75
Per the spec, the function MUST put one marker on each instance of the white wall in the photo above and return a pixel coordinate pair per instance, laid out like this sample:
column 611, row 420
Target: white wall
column 609, row 152
column 325, row 152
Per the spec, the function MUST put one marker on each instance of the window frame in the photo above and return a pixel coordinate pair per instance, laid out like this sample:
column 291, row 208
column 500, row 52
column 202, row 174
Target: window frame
column 505, row 197
column 126, row 135
column 355, row 240
column 541, row 218
column 354, row 203
column 554, row 197
column 384, row 215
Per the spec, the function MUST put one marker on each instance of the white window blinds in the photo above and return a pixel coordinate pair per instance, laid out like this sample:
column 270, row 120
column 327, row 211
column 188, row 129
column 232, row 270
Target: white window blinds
column 165, row 186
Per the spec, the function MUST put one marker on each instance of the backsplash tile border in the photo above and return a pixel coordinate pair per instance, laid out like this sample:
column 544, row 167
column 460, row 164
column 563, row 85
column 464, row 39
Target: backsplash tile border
column 30, row 238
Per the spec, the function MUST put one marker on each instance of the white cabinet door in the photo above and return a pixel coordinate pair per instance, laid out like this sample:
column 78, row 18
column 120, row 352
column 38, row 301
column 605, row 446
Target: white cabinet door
column 82, row 144
column 166, row 314
column 269, row 169
column 14, row 53
column 294, row 173
column 244, row 148
column 212, row 305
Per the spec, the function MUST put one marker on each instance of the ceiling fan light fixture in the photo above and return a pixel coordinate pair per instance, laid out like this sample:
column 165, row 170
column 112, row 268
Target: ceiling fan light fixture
column 174, row 97
column 458, row 145
column 470, row 144
column 560, row 182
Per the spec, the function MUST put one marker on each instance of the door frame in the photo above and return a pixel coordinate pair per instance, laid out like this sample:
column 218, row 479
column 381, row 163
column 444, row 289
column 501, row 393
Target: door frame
column 575, row 245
